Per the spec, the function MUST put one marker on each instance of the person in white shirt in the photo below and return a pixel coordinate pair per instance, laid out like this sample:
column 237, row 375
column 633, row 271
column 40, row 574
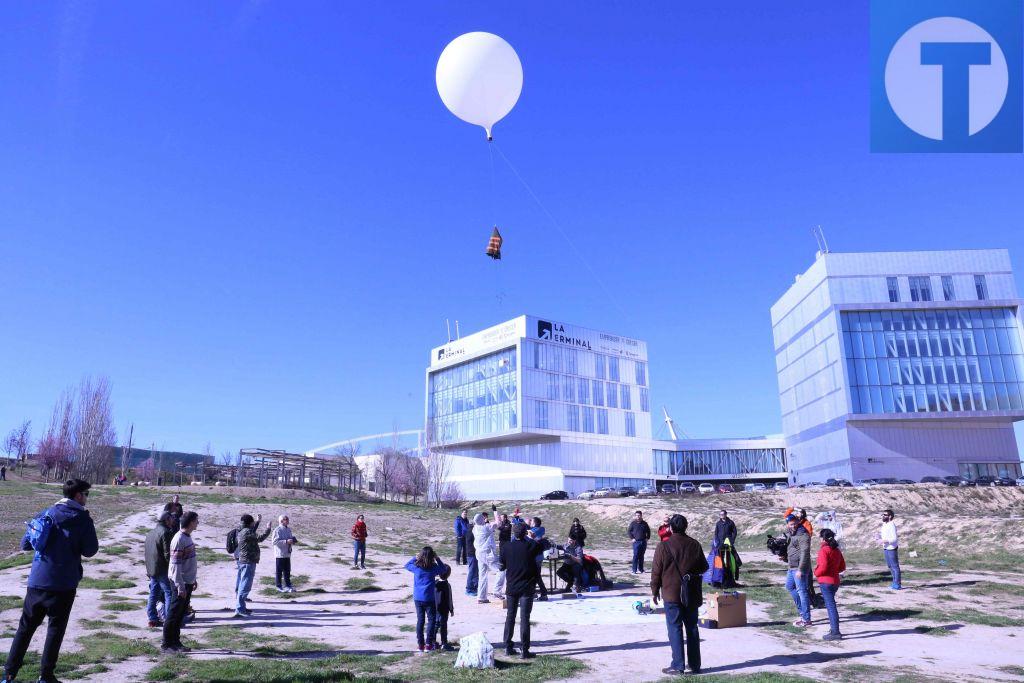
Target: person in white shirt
column 283, row 540
column 486, row 553
column 890, row 541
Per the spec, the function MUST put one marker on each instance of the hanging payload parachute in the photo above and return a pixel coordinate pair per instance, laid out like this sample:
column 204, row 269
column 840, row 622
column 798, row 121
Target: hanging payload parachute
column 494, row 245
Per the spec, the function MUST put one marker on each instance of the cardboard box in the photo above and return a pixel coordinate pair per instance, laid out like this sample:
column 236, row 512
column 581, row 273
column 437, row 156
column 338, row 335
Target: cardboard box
column 725, row 610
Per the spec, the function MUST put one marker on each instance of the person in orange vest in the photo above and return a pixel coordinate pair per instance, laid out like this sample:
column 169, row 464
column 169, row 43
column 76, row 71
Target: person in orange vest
column 802, row 515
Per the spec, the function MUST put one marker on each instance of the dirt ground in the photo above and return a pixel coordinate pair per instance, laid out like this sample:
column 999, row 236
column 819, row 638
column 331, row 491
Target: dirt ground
column 956, row 620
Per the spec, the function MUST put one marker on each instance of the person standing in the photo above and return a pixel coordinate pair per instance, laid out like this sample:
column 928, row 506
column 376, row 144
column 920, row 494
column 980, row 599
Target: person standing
column 61, row 536
column 830, row 564
column 640, row 532
column 445, row 604
column 158, row 557
column 486, row 554
column 3, row 472
column 472, row 570
column 183, row 572
column 677, row 560
column 175, row 508
column 461, row 530
column 798, row 553
column 283, row 540
column 504, row 529
column 665, row 530
column 890, row 540
column 249, row 540
column 424, row 567
column 537, row 534
column 519, row 562
column 725, row 528
column 359, row 535
column 577, row 532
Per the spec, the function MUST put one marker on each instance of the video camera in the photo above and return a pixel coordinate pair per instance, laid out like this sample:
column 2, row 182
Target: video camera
column 779, row 546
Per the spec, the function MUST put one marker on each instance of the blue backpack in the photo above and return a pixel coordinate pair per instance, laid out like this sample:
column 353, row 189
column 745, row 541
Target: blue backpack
column 38, row 531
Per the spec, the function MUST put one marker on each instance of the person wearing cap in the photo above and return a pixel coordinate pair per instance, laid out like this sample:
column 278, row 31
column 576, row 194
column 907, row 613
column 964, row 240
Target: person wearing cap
column 798, row 554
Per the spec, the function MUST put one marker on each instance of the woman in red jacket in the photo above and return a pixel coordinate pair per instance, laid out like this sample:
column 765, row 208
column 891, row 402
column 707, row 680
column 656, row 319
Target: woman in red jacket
column 359, row 542
column 830, row 564
column 664, row 531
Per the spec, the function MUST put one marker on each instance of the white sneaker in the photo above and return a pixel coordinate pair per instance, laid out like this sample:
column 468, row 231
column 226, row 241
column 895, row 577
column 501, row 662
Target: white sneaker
column 290, row 589
column 282, row 590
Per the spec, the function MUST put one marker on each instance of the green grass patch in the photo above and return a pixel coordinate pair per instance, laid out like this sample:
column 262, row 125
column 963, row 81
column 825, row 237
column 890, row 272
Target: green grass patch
column 933, row 630
column 142, row 530
column 1013, row 669
column 18, row 560
column 382, row 637
column 561, row 633
column 440, row 667
column 207, row 555
column 116, row 550
column 98, row 651
column 760, row 677
column 243, row 640
column 407, row 628
column 10, row 602
column 361, row 584
column 343, row 667
column 121, row 606
column 100, row 624
column 106, row 584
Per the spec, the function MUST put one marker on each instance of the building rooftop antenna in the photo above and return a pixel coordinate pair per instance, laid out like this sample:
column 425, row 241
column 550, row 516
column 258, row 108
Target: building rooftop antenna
column 671, row 424
column 448, row 326
column 819, row 237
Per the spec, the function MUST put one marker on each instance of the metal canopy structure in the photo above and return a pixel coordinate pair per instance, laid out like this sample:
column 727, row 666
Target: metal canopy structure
column 263, row 468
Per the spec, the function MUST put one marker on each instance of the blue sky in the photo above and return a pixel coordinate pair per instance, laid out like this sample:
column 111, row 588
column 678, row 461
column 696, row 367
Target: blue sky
column 255, row 217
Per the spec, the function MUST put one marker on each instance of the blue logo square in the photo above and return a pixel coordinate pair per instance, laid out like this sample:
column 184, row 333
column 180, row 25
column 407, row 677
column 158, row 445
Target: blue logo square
column 946, row 76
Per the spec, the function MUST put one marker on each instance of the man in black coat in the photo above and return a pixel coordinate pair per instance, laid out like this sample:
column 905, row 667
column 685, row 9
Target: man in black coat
column 640, row 533
column 724, row 528
column 518, row 559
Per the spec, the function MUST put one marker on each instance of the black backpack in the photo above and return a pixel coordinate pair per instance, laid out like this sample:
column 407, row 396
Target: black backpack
column 232, row 544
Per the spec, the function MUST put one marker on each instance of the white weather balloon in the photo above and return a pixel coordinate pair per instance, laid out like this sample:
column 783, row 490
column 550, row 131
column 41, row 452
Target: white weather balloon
column 479, row 78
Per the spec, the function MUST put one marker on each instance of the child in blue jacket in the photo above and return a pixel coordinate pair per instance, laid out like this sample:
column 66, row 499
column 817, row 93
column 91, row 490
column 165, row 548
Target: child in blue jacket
column 424, row 567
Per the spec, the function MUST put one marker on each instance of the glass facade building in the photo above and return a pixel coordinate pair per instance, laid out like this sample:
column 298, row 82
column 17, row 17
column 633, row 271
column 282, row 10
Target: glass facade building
column 900, row 364
column 557, row 405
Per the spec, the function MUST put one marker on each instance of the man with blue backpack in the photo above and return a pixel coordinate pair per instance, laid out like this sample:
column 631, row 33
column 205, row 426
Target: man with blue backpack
column 60, row 536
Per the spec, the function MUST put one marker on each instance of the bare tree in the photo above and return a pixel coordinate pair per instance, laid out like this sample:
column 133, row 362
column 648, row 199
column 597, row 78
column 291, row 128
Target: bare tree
column 146, row 470
column 55, row 445
column 347, row 453
column 226, row 458
column 94, row 435
column 386, row 469
column 451, row 496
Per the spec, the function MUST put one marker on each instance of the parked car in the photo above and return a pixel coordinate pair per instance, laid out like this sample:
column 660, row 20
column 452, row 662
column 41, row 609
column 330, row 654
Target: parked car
column 586, row 495
column 1005, row 481
column 984, row 480
column 555, row 495
column 668, row 488
column 625, row 491
column 687, row 487
column 756, row 486
column 1020, row 481
column 955, row 480
column 646, row 490
column 865, row 484
column 886, row 481
column 726, row 488
column 815, row 485
column 905, row 482
column 705, row 488
column 605, row 493
column 781, row 485
column 932, row 480
column 837, row 482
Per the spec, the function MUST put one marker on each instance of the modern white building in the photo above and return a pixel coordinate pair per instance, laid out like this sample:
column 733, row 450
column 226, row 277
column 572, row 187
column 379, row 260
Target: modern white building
column 534, row 405
column 901, row 364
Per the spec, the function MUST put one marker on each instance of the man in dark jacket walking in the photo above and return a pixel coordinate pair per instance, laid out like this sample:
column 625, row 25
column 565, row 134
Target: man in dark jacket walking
column 472, row 571
column 56, row 571
column 676, row 557
column 518, row 559
column 158, row 554
column 640, row 532
column 461, row 529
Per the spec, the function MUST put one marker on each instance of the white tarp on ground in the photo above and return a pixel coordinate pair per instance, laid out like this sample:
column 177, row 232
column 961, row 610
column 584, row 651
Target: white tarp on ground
column 596, row 608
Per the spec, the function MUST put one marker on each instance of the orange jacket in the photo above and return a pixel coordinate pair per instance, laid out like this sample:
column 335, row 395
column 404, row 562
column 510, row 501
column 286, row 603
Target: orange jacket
column 806, row 523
